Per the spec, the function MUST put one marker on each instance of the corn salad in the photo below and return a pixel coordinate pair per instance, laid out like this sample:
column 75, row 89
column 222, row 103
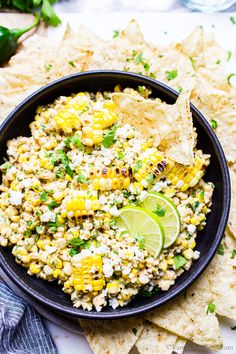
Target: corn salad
column 61, row 192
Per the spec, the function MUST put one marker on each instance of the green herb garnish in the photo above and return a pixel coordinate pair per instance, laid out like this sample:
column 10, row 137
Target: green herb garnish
column 171, row 75
column 229, row 78
column 116, row 33
column 43, row 196
column 52, row 205
column 75, row 140
column 221, row 250
column 232, row 20
column 211, row 308
column 82, row 179
column 233, row 254
column 48, row 67
column 179, row 261
column 72, row 63
column 159, row 211
column 150, row 177
column 137, row 166
column 109, row 138
column 213, row 123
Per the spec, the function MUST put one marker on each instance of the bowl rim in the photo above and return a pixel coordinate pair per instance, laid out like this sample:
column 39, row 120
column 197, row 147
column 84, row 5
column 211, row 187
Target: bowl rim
column 222, row 223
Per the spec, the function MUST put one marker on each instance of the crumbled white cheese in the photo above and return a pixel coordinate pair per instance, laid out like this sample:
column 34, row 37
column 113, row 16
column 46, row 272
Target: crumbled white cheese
column 191, row 229
column 142, row 196
column 48, row 216
column 196, row 255
column 26, row 182
column 107, row 269
column 114, row 303
column 16, row 197
column 114, row 211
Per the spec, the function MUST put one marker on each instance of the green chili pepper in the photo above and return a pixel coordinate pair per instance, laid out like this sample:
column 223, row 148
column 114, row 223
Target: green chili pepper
column 9, row 38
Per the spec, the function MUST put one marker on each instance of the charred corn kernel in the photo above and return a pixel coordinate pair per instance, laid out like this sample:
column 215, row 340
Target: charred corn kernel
column 153, row 162
column 111, row 178
column 134, row 272
column 135, row 187
column 129, row 254
column 63, row 214
column 13, row 186
column 184, row 177
column 141, row 265
column 89, row 276
column 91, row 135
column 204, row 209
column 82, row 204
column 113, row 287
column 23, row 158
column 34, row 268
column 56, row 273
column 59, row 264
column 188, row 254
column 170, row 261
column 163, row 265
column 184, row 243
column 26, row 259
column 45, row 163
column 169, row 191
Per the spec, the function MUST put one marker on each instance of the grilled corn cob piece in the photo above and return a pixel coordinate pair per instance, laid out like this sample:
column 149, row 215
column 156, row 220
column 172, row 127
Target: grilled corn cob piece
column 184, row 177
column 89, row 277
column 153, row 162
column 111, row 178
column 92, row 131
column 82, row 204
column 68, row 118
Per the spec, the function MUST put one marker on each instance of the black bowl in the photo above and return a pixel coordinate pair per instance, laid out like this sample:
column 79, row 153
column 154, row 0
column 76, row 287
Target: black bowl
column 208, row 240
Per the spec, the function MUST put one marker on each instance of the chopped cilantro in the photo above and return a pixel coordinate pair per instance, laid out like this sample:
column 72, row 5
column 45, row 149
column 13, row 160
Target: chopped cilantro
column 27, row 233
column 193, row 62
column 67, row 142
column 213, row 123
column 48, row 67
column 116, row 33
column 82, row 179
column 221, row 250
column 229, row 54
column 73, row 252
column 52, row 205
column 53, row 225
column 72, row 63
column 120, row 155
column 146, row 293
column 179, row 261
column 211, row 308
column 134, row 330
column 232, row 20
column 233, row 254
column 159, row 211
column 39, row 228
column 79, row 243
column 37, row 237
column 5, row 166
column 112, row 223
column 171, row 75
column 195, row 205
column 60, row 156
column 152, row 75
column 109, row 138
column 229, row 78
column 75, row 140
column 30, row 222
column 218, row 61
column 141, row 242
column 137, row 166
column 202, row 194
column 180, row 89
column 43, row 196
column 150, row 177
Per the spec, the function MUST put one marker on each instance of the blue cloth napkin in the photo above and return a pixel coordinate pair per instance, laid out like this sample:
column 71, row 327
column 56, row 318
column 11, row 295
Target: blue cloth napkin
column 22, row 330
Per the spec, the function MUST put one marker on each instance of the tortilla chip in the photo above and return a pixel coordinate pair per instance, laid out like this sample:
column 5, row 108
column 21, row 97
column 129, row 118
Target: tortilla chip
column 179, row 345
column 232, row 214
column 112, row 336
column 179, row 144
column 154, row 339
column 171, row 125
column 187, row 316
column 223, row 280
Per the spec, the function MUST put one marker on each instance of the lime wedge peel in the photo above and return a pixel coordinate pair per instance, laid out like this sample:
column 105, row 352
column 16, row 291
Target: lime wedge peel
column 169, row 215
column 140, row 222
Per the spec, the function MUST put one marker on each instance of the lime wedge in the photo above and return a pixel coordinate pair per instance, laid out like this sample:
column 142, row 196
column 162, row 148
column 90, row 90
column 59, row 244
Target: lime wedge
column 143, row 225
column 167, row 213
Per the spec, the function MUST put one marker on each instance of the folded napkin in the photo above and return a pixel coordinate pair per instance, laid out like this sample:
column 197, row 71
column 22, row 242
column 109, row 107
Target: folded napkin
column 22, row 330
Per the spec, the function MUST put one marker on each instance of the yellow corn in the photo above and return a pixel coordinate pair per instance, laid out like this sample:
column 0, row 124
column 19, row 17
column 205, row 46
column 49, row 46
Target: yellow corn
column 89, row 276
column 82, row 204
column 154, row 162
column 92, row 131
column 184, row 177
column 113, row 287
column 111, row 178
column 34, row 268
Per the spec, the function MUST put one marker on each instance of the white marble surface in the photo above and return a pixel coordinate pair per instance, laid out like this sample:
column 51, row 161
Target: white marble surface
column 160, row 28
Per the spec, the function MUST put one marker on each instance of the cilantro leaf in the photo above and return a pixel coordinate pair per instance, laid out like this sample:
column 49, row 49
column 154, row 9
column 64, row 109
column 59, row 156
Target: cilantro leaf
column 179, row 261
column 137, row 166
column 73, row 252
column 171, row 75
column 72, row 63
column 213, row 123
column 211, row 308
column 79, row 243
column 221, row 250
column 150, row 177
column 48, row 67
column 233, row 254
column 229, row 54
column 52, row 205
column 75, row 140
column 232, row 20
column 159, row 211
column 146, row 293
column 116, row 33
column 141, row 242
column 43, row 196
column 229, row 78
column 49, row 15
column 82, row 179
column 109, row 138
